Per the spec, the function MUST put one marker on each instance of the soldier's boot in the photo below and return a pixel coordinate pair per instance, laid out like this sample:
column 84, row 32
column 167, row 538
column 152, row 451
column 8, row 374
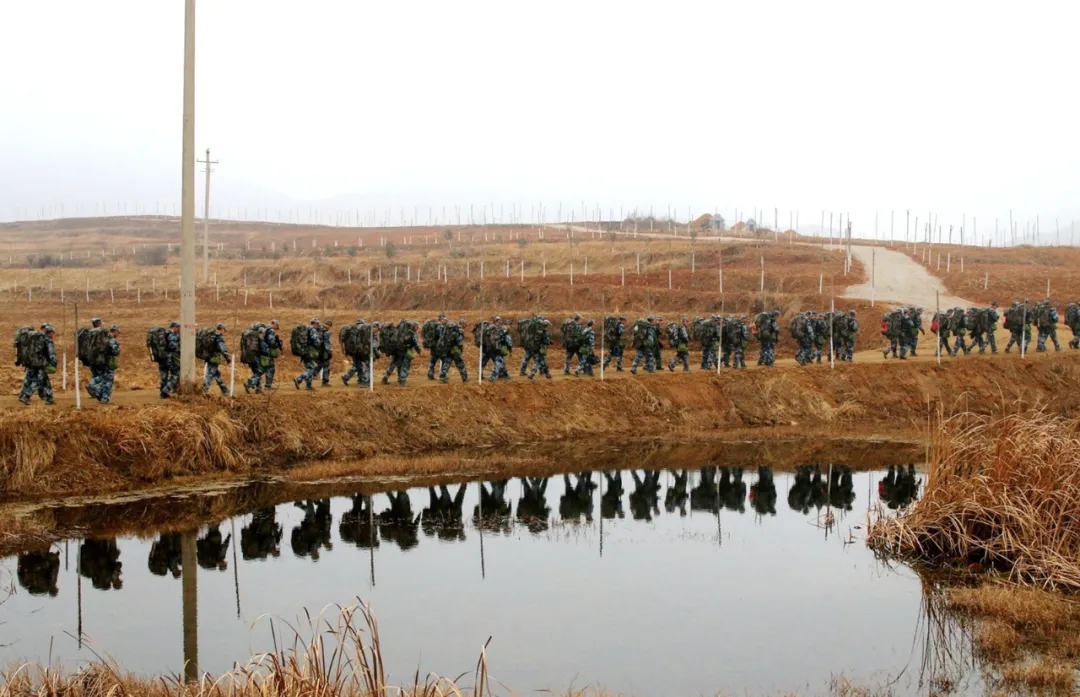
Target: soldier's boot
column 431, row 375
column 164, row 394
column 247, row 388
column 258, row 390
column 1075, row 343
column 296, row 383
column 444, row 380
column 671, row 367
column 344, row 381
column 25, row 400
column 50, row 401
column 464, row 376
column 386, row 380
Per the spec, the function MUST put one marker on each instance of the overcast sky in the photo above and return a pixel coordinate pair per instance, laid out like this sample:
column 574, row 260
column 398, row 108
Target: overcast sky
column 953, row 107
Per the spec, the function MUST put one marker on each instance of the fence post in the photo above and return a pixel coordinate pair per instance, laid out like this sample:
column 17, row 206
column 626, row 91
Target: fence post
column 571, row 274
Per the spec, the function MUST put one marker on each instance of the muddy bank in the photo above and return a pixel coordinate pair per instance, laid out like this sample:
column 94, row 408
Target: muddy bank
column 58, row 453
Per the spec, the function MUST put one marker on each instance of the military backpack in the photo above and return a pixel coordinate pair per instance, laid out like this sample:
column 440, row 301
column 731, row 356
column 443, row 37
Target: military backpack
column 572, row 334
column 157, row 340
column 1044, row 316
column 1015, row 316
column 799, row 325
column 206, row 346
column 642, row 332
column 429, row 334
column 92, row 346
column 451, row 338
column 300, row 341
column 249, row 345
column 611, row 330
column 31, row 348
column 1072, row 314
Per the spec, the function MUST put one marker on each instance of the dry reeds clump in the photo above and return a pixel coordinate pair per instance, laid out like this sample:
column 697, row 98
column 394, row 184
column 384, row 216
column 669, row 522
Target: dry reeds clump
column 1001, row 494
column 339, row 657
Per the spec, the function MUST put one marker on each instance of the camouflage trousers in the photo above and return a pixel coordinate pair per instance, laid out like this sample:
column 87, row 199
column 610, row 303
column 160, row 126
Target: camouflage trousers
column 402, row 364
column 615, row 352
column 805, row 352
column 913, row 342
column 432, row 360
column 456, row 361
column 848, row 350
column 1049, row 333
column 680, row 357
column 767, row 353
column 323, row 368
column 540, row 365
column 1075, row 342
column 570, row 357
column 255, row 381
column 270, row 371
column 359, row 369
column 709, row 359
column 961, row 344
column 36, row 380
column 819, row 350
column 213, row 374
column 646, row 356
column 310, row 368
column 943, row 344
column 1015, row 338
column 498, row 368
column 898, row 348
column 101, row 385
column 169, row 374
column 585, row 364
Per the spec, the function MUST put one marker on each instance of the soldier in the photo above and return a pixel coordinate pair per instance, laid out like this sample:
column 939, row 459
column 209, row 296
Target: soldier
column 101, row 385
column 454, row 357
column 659, row 346
column 37, row 379
column 503, row 347
column 540, row 356
column 644, row 351
column 917, row 328
column 326, row 352
column 907, row 331
column 682, row 347
column 941, row 326
column 439, row 327
column 615, row 350
column 741, row 336
column 821, row 336
column 572, row 351
column 849, row 337
column 991, row 328
column 169, row 366
column 802, row 329
column 1046, row 317
column 359, row 363
column 402, row 362
column 213, row 365
column 507, row 344
column 259, row 365
column 768, row 335
column 958, row 325
column 710, row 345
column 275, row 346
column 588, row 357
column 96, row 369
column 310, row 361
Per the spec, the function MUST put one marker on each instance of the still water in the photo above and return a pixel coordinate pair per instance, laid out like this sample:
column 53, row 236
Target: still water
column 644, row 582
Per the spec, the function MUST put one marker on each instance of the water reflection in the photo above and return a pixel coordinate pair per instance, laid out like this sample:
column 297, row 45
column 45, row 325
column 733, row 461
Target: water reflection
column 368, row 521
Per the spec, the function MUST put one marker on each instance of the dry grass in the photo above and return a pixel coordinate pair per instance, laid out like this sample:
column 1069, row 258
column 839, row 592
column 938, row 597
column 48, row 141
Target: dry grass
column 1044, row 676
column 1001, row 494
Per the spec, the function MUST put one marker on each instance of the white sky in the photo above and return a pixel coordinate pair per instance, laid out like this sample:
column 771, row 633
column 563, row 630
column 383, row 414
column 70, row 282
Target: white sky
column 953, row 107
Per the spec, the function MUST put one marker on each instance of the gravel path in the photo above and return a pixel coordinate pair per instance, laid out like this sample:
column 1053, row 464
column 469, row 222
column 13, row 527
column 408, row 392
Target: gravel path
column 898, row 279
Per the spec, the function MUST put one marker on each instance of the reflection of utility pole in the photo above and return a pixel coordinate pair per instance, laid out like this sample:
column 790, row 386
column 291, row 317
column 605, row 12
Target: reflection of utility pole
column 371, row 540
column 191, row 608
column 206, row 217
column 480, row 529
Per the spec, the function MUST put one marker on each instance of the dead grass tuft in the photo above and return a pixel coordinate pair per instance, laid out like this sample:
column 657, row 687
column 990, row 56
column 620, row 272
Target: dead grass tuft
column 1050, row 676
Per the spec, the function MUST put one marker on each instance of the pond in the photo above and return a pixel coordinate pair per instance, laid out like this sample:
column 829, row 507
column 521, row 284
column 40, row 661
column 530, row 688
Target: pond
column 642, row 581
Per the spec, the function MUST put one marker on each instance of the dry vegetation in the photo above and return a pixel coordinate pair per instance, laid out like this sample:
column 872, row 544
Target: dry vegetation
column 1001, row 495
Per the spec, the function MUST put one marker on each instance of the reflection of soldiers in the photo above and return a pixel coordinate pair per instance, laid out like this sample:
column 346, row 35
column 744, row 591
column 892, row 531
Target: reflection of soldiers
column 899, row 488
column 356, row 524
column 38, row 572
column 763, row 493
column 494, row 507
column 732, row 489
column 165, row 555
column 576, row 500
column 261, row 538
column 645, row 498
column 676, row 493
column 532, row 509
column 611, row 505
column 99, row 560
column 841, row 489
column 313, row 532
column 704, row 496
column 444, row 514
column 210, row 549
column 801, row 495
column 396, row 524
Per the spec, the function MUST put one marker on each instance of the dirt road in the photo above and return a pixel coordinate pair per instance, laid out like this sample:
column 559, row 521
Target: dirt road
column 898, row 279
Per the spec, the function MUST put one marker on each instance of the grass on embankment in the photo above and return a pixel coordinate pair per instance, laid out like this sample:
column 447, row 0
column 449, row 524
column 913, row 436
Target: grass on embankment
column 63, row 453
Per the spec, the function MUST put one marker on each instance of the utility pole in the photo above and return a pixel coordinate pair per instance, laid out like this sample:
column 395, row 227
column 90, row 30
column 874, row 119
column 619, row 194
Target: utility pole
column 187, row 205
column 206, row 218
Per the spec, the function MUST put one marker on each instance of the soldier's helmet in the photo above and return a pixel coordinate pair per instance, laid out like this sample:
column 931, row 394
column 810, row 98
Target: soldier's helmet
column 685, row 320
column 114, row 328
column 496, row 319
column 262, row 328
column 48, row 328
column 274, row 323
column 589, row 323
column 376, row 324
column 96, row 322
column 220, row 326
column 650, row 318
column 539, row 316
column 359, row 321
column 994, row 304
column 852, row 313
column 173, row 324
column 577, row 315
column 442, row 316
column 775, row 313
column 461, row 321
column 314, row 320
column 622, row 317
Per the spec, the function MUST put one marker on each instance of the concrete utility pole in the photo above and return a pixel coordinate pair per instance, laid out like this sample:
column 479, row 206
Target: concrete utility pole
column 187, row 205
column 206, row 218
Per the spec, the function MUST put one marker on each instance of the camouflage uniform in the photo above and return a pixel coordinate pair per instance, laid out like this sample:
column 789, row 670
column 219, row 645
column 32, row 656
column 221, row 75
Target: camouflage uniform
column 943, row 336
column 37, row 379
column 539, row 358
column 916, row 329
column 710, row 351
column 1048, row 330
column 310, row 362
column 992, row 318
column 587, row 351
column 433, row 358
column 849, row 338
column 326, row 353
column 682, row 348
column 402, row 363
column 821, row 338
column 961, row 342
column 213, row 368
column 275, row 345
column 359, row 367
column 571, row 354
column 767, row 353
column 647, row 353
column 805, row 350
column 258, row 369
column 1021, row 335
column 454, row 358
column 498, row 361
column 740, row 345
column 101, row 385
column 169, row 365
column 615, row 351
column 508, row 344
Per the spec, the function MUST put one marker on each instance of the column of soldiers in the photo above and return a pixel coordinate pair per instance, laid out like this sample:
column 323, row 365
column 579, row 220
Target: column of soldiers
column 723, row 342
